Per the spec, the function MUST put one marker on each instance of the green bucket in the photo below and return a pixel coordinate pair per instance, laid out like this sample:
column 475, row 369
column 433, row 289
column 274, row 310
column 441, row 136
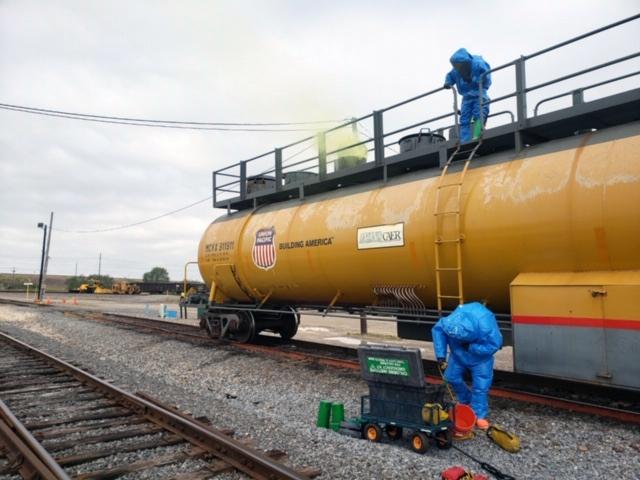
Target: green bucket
column 337, row 415
column 324, row 412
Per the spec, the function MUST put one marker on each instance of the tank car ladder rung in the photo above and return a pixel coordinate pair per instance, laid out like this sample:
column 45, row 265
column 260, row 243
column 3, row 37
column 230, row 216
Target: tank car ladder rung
column 455, row 213
column 452, row 240
column 449, row 185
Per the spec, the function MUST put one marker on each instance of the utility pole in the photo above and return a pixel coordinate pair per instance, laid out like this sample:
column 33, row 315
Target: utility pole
column 46, row 256
column 76, row 274
column 13, row 275
column 44, row 243
column 99, row 263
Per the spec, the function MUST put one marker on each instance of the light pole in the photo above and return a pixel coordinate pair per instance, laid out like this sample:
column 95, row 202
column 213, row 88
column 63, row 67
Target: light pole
column 44, row 244
column 46, row 258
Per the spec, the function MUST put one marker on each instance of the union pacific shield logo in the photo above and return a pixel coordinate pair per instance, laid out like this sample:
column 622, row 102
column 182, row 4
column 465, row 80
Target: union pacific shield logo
column 264, row 248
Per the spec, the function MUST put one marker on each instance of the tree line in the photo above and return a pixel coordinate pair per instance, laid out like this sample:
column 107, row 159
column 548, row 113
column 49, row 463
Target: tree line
column 156, row 274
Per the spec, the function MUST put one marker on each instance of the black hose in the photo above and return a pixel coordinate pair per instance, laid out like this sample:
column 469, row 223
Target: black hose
column 486, row 466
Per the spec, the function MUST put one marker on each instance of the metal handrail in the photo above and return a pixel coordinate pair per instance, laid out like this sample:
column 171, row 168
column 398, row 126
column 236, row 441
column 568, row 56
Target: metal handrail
column 582, row 89
column 582, row 72
column 379, row 147
column 503, row 97
column 228, row 175
column 400, row 130
column 584, row 35
column 412, row 99
column 227, row 184
column 504, row 112
column 300, row 162
column 298, row 142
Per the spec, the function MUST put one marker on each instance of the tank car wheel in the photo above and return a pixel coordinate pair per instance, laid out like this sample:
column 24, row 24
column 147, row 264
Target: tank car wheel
column 372, row 432
column 245, row 330
column 419, row 442
column 394, row 432
column 290, row 323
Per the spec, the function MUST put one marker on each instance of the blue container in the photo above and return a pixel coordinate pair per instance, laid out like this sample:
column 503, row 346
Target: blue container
column 171, row 314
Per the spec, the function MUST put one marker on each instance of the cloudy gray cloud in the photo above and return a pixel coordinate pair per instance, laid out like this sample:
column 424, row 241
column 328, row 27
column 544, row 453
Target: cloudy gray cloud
column 241, row 61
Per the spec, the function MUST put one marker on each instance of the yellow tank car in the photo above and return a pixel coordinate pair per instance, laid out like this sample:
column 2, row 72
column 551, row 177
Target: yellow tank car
column 563, row 206
column 566, row 206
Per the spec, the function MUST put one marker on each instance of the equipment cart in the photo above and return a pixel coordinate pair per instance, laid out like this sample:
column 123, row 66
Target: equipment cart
column 399, row 399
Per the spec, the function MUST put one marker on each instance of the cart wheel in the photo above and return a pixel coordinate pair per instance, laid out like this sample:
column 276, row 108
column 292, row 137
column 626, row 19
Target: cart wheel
column 444, row 440
column 394, row 432
column 419, row 442
column 372, row 432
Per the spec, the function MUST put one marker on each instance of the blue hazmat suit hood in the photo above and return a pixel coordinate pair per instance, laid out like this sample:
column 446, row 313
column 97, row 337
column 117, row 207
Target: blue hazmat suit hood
column 461, row 56
column 466, row 73
column 461, row 62
column 459, row 325
column 471, row 332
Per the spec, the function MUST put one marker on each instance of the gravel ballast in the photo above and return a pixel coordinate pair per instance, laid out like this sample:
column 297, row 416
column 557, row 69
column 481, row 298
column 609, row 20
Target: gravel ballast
column 274, row 403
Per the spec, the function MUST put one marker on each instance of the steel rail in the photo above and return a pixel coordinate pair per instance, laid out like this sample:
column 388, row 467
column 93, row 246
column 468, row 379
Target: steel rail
column 498, row 392
column 27, row 456
column 307, row 351
column 248, row 461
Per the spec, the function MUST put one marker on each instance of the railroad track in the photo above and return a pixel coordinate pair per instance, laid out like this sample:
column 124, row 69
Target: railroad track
column 58, row 422
column 616, row 404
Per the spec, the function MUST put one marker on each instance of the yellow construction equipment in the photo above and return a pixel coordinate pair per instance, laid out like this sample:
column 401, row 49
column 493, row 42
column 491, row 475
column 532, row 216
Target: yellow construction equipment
column 125, row 288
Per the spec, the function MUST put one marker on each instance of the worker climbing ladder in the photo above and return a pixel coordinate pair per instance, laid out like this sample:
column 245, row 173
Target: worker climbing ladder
column 449, row 212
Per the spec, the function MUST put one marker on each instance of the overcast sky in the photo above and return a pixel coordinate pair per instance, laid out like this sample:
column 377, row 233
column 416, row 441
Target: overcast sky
column 215, row 61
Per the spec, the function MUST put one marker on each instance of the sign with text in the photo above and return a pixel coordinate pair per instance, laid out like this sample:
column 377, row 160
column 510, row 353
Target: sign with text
column 388, row 366
column 381, row 236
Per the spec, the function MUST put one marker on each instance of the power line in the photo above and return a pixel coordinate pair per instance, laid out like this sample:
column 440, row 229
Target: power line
column 129, row 119
column 186, row 125
column 141, row 222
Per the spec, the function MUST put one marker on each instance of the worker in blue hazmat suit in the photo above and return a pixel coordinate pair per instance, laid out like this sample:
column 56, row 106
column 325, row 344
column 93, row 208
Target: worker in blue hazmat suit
column 465, row 75
column 471, row 332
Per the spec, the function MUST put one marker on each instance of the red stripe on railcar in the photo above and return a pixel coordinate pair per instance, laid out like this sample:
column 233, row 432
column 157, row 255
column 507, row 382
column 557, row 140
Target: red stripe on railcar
column 577, row 322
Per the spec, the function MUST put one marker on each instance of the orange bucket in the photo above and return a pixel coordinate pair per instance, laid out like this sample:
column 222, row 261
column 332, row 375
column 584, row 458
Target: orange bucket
column 464, row 419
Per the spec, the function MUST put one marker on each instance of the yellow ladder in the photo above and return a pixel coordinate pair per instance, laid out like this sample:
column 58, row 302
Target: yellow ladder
column 456, row 237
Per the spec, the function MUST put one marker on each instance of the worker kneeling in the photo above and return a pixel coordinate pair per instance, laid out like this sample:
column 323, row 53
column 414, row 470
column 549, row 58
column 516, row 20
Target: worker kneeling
column 473, row 336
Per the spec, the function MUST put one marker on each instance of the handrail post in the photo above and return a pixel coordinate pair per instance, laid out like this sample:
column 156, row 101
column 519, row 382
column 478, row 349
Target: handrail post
column 577, row 97
column 278, row 156
column 213, row 180
column 521, row 92
column 378, row 137
column 322, row 155
column 243, row 179
column 455, row 114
